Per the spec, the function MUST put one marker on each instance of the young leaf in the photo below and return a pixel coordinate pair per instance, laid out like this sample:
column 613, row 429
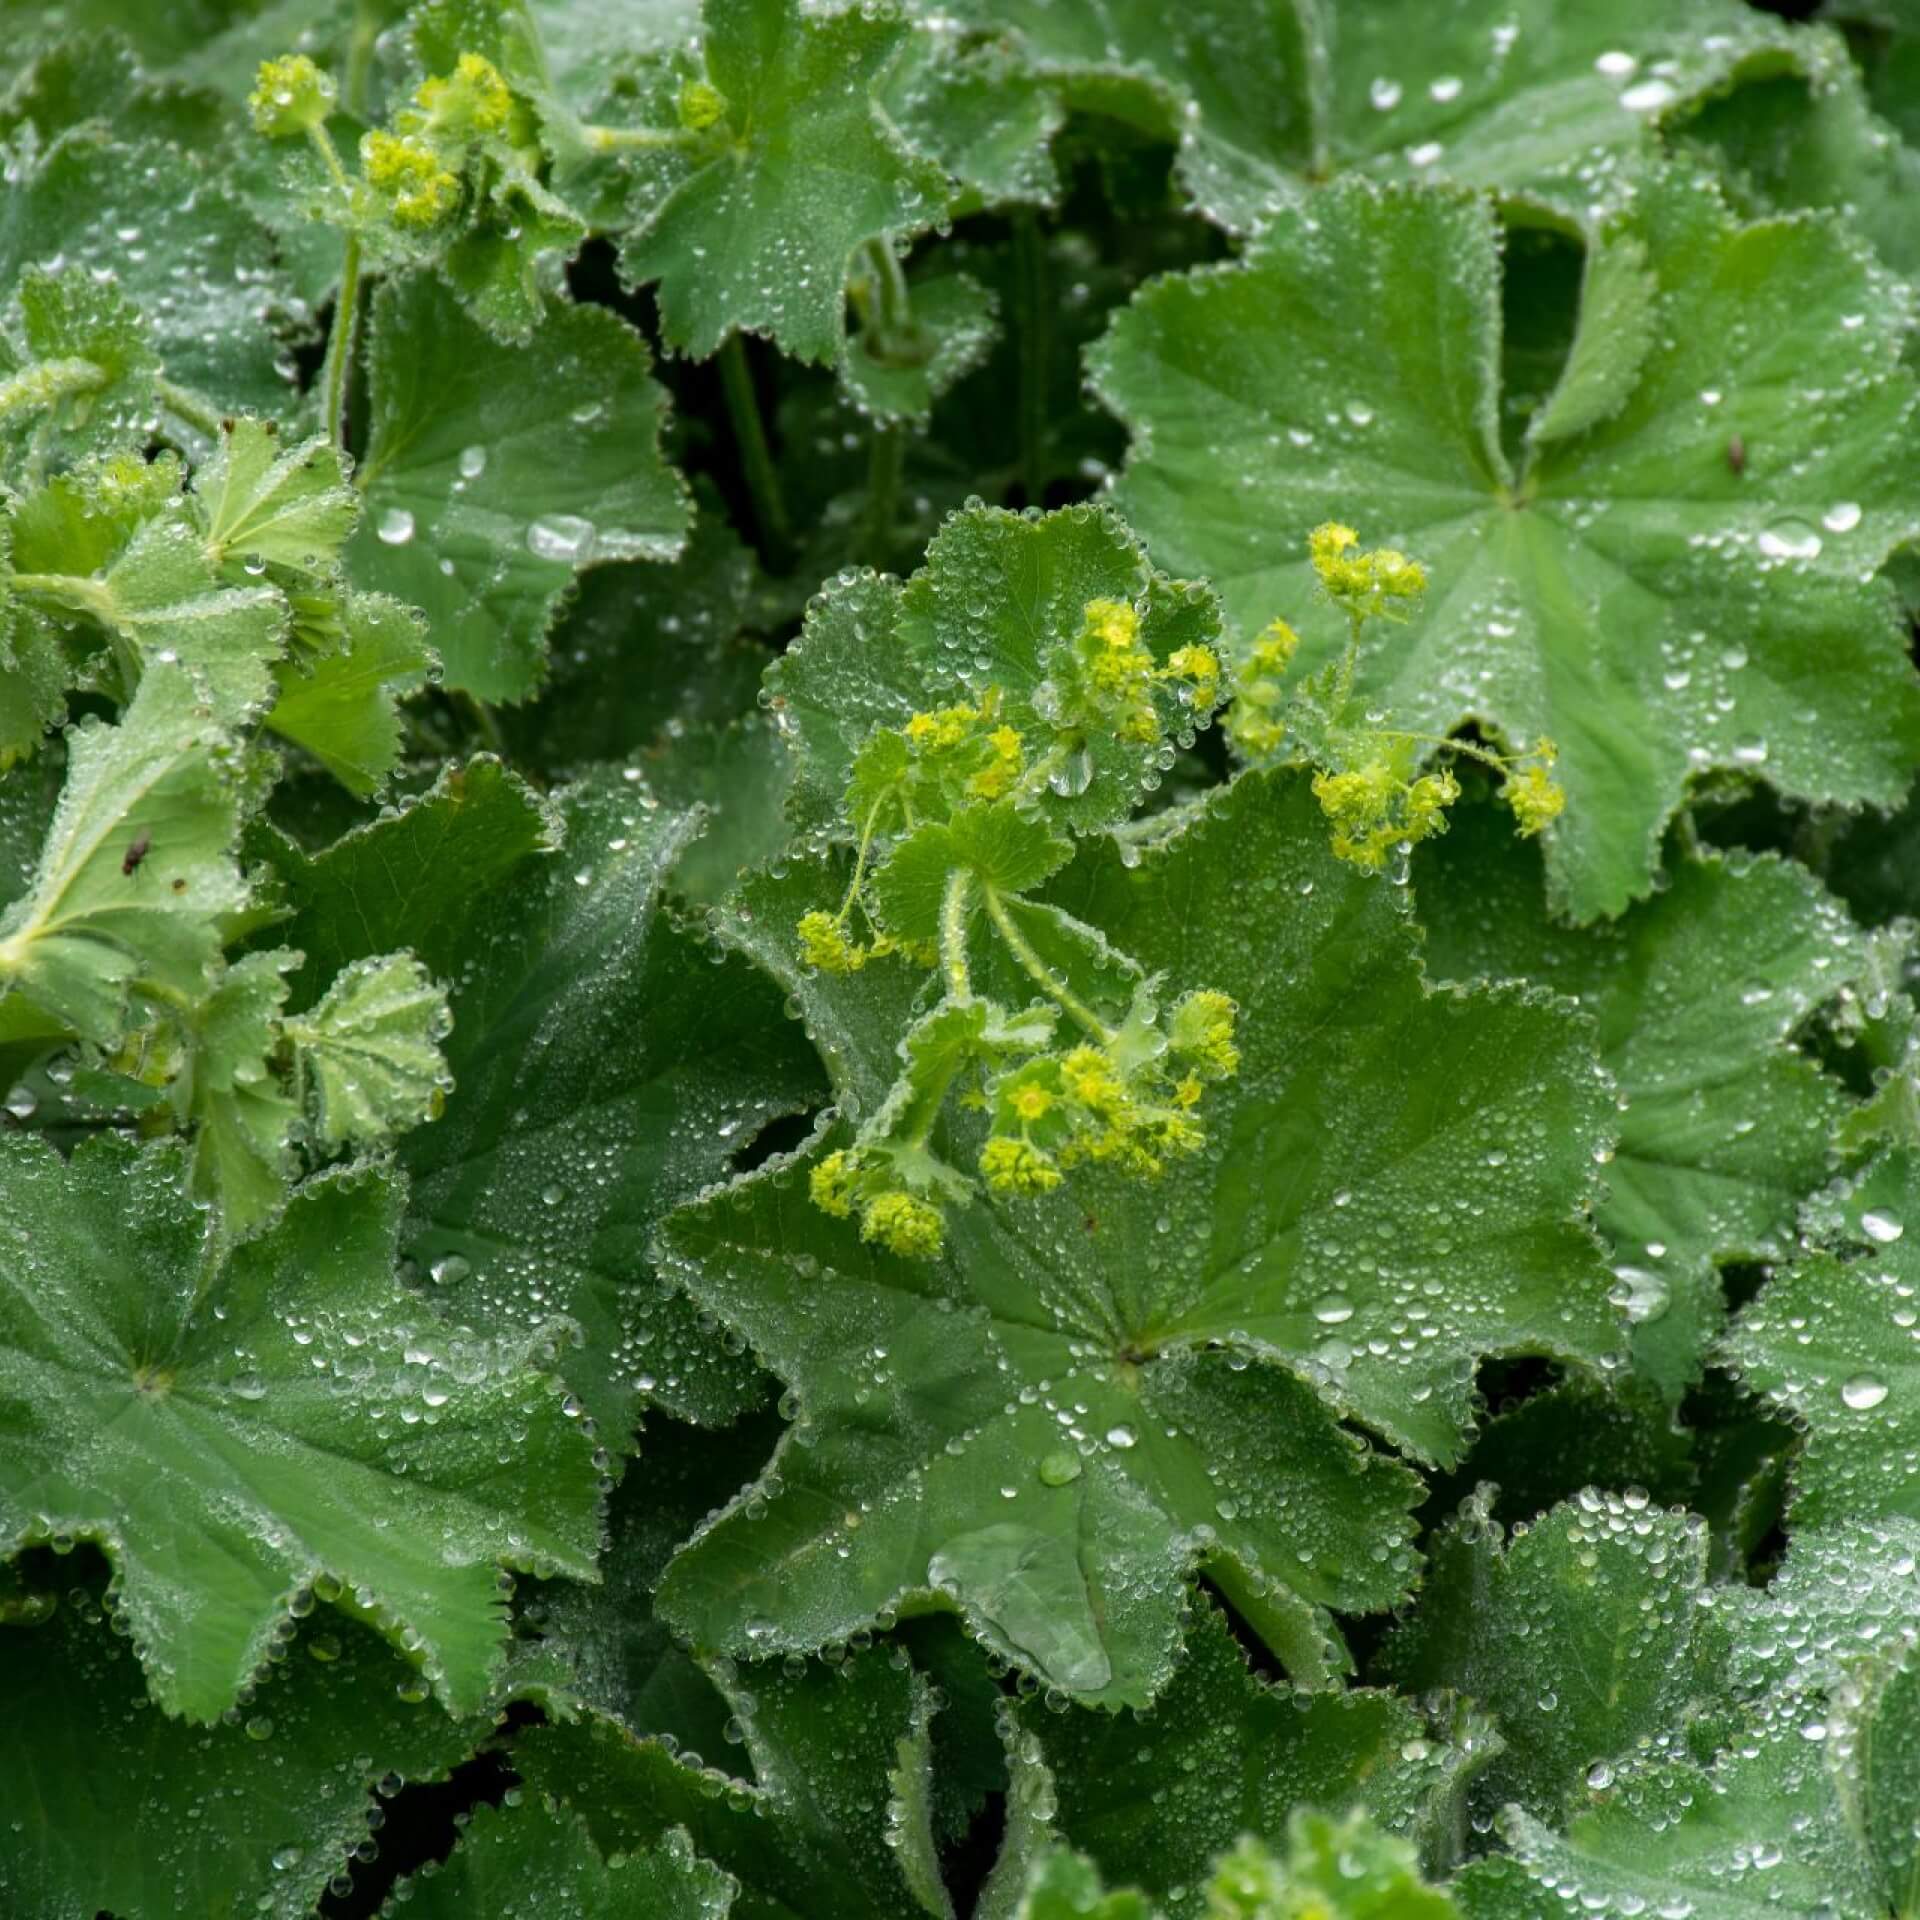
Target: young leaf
column 82, row 380
column 137, row 871
column 1746, row 489
column 1575, row 1635
column 369, row 1053
column 342, row 705
column 1151, row 1365
column 1154, row 1801
column 799, row 170
column 527, row 1860
column 495, row 473
column 231, row 1438
column 261, row 501
column 1725, row 1128
column 106, row 1804
column 242, row 1116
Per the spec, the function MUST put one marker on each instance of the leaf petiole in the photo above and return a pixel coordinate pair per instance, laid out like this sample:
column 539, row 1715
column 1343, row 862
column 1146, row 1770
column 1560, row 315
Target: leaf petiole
column 1043, row 976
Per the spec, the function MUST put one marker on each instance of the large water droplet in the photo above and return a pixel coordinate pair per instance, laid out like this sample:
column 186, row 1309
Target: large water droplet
column 1863, row 1392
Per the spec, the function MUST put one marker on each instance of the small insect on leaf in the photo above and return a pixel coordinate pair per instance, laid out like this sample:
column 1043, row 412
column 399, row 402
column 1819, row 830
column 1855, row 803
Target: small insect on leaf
column 1737, row 455
column 137, row 850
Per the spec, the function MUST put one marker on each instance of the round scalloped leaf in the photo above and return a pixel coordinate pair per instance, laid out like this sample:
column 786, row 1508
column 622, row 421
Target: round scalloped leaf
column 800, row 170
column 495, row 473
column 232, row 1437
column 1092, row 1391
column 1656, row 607
column 108, row 1805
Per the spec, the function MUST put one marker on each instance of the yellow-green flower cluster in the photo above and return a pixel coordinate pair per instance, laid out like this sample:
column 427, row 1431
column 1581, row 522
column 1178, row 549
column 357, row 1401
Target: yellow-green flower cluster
column 1376, row 808
column 890, row 1216
column 1537, row 799
column 701, row 105
column 1118, row 668
column 417, row 188
column 1367, row 584
column 1257, row 723
column 472, row 100
column 291, row 97
column 1114, row 1104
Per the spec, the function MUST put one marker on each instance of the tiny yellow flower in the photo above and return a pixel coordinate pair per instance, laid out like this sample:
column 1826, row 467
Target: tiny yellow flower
column 1032, row 1103
column 419, row 190
column 1017, row 1166
column 1273, row 650
column 702, row 105
column 996, row 778
column 472, row 99
column 824, row 944
column 1202, row 1031
column 1537, row 799
column 941, row 730
column 1199, row 667
column 830, row 1185
column 291, row 96
column 897, row 1221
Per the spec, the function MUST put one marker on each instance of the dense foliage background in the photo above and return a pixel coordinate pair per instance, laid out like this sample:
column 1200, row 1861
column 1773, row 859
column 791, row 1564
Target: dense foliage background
column 959, row 960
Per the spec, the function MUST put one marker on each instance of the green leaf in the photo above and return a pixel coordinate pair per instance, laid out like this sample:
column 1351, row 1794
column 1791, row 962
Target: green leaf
column 1651, row 605
column 605, row 1069
column 1831, row 1342
column 106, row 1804
column 1574, row 1634
column 285, row 506
column 242, row 1116
column 1064, row 1885
column 83, row 381
column 1807, row 137
column 834, row 1819
column 1148, row 1368
column 197, row 264
column 897, row 375
column 231, row 1438
column 529, row 1861
column 802, row 168
column 424, row 876
column 603, row 1648
column 1766, row 1829
column 1239, row 88
column 1724, row 1127
column 1349, row 1868
column 368, row 1054
column 1535, row 100
column 1154, row 1800
column 342, row 705
column 106, row 917
column 496, row 473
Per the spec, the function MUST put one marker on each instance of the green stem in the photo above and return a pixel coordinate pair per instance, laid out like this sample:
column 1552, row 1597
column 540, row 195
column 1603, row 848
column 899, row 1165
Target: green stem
column 636, row 139
column 860, row 858
column 756, row 458
column 202, row 415
column 488, row 723
column 90, row 596
column 1485, row 755
column 340, row 344
column 886, row 462
column 890, row 281
column 953, row 933
column 1030, row 292
column 330, row 159
column 48, row 383
column 366, row 32
column 1042, row 975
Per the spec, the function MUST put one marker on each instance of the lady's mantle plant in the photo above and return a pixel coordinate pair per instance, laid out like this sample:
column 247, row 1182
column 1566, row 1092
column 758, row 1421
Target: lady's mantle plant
column 958, row 961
